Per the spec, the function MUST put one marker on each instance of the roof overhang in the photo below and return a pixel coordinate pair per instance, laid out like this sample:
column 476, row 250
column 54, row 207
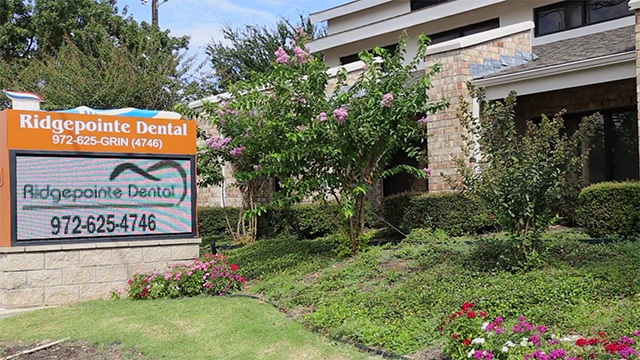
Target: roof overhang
column 344, row 9
column 562, row 76
column 399, row 23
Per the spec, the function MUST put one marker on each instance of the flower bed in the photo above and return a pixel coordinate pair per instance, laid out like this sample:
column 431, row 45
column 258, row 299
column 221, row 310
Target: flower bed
column 212, row 275
column 470, row 333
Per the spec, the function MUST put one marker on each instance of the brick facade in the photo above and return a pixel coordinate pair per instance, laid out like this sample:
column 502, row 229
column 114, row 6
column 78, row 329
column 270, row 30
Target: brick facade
column 444, row 129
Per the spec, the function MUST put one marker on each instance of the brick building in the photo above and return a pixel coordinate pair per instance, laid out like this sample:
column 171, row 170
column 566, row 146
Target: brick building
column 578, row 55
column 575, row 55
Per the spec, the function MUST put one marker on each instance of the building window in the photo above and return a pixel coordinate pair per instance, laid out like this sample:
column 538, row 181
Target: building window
column 464, row 31
column 354, row 57
column 573, row 14
column 614, row 146
column 419, row 4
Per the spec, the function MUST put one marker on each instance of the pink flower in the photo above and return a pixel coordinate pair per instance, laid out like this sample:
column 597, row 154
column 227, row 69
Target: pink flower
column 234, row 267
column 256, row 167
column 427, row 171
column 340, row 114
column 302, row 55
column 237, row 151
column 323, row 117
column 387, row 100
column 218, row 143
column 423, row 120
column 281, row 56
column 301, row 127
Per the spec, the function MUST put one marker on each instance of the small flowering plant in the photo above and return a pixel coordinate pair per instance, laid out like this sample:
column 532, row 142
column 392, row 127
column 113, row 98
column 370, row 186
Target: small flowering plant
column 470, row 334
column 211, row 275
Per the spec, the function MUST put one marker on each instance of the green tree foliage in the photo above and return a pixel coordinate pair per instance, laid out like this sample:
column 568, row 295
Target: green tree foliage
column 520, row 176
column 82, row 52
column 250, row 49
column 283, row 125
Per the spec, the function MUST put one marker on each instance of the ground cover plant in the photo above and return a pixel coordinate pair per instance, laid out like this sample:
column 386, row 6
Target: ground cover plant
column 201, row 327
column 393, row 297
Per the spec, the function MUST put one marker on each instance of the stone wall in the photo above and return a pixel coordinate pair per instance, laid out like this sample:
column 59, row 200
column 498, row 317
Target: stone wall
column 444, row 129
column 63, row 274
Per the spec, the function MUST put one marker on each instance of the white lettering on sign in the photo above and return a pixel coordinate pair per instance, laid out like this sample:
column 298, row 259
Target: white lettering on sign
column 169, row 129
column 58, row 126
column 77, row 127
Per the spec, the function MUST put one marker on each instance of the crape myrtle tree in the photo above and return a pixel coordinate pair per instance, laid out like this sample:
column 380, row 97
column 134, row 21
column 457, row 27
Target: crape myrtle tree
column 521, row 175
column 322, row 141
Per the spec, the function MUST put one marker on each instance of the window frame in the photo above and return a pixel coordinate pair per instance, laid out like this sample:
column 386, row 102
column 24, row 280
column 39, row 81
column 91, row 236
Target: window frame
column 585, row 19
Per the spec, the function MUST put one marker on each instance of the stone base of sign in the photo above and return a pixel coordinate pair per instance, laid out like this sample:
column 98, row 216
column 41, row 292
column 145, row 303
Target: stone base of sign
column 47, row 275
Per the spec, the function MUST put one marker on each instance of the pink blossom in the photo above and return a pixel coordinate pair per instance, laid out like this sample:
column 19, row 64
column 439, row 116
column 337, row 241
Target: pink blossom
column 340, row 114
column 302, row 55
column 218, row 143
column 427, row 171
column 387, row 100
column 323, row 117
column 281, row 56
column 423, row 120
column 299, row 32
column 256, row 167
column 237, row 151
column 301, row 127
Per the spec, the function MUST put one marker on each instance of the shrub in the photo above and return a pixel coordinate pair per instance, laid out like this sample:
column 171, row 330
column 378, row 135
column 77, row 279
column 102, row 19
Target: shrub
column 304, row 221
column 455, row 213
column 610, row 209
column 212, row 275
column 212, row 221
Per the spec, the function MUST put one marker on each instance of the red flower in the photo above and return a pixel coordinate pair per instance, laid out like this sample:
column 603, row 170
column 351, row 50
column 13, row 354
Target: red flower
column 471, row 314
column 234, row 267
column 466, row 342
column 602, row 334
column 455, row 336
column 593, row 341
column 581, row 342
column 467, row 306
column 440, row 328
column 483, row 314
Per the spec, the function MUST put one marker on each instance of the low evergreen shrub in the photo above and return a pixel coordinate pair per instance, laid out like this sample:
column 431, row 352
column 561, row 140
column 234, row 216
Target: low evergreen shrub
column 610, row 210
column 455, row 213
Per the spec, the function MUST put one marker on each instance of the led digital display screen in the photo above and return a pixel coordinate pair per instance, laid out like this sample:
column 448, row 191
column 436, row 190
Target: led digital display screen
column 62, row 197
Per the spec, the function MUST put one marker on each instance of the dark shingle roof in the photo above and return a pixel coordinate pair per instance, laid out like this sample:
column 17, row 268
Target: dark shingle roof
column 595, row 45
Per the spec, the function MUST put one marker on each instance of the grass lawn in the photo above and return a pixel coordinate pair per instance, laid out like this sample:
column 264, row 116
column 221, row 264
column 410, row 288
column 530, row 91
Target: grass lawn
column 195, row 328
column 393, row 297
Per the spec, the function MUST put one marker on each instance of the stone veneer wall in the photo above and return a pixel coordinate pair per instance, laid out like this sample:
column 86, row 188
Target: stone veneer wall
column 47, row 275
column 444, row 129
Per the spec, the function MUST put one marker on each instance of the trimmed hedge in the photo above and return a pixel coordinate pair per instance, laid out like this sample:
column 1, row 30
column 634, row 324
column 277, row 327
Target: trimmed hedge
column 610, row 209
column 455, row 213
column 212, row 221
column 303, row 221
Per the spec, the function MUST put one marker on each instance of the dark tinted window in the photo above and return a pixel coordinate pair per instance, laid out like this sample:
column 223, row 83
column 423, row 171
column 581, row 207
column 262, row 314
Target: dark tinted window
column 354, row 57
column 419, row 4
column 572, row 14
column 464, row 31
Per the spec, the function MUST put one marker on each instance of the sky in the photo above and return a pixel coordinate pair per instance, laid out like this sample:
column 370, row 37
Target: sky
column 202, row 19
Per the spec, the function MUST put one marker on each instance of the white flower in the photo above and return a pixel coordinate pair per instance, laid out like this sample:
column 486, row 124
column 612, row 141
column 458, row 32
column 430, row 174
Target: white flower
column 510, row 344
column 484, row 326
column 524, row 342
column 470, row 353
column 505, row 349
column 478, row 341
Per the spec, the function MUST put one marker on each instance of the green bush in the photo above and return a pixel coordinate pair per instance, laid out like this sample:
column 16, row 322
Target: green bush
column 212, row 221
column 453, row 212
column 610, row 210
column 306, row 221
